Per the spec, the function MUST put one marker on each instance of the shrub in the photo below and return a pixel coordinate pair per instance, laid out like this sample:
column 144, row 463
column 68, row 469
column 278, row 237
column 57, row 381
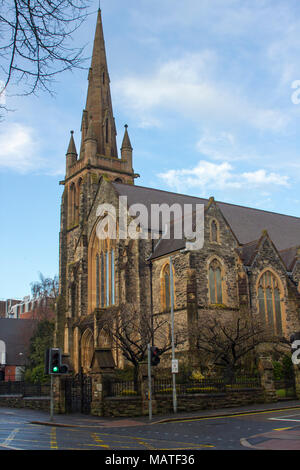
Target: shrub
column 201, row 389
column 128, row 393
column 196, row 375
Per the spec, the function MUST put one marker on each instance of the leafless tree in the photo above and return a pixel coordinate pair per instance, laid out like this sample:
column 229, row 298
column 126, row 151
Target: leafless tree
column 35, row 40
column 45, row 293
column 225, row 343
column 132, row 330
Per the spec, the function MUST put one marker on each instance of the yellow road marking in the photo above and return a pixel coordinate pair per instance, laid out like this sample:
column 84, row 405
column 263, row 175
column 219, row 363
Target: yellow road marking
column 142, row 442
column 282, row 429
column 192, row 445
column 53, row 441
column 227, row 416
column 97, row 439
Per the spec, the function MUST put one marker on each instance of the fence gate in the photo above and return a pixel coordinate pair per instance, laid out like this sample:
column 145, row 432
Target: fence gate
column 78, row 394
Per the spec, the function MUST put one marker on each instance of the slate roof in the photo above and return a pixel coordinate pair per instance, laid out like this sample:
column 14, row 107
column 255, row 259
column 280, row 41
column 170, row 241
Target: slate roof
column 16, row 334
column 246, row 223
column 289, row 257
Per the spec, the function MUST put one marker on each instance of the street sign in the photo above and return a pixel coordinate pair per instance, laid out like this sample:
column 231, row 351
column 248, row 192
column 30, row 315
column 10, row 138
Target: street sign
column 174, row 366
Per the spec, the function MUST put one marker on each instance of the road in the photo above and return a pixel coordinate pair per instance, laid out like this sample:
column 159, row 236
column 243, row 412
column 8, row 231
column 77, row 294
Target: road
column 235, row 432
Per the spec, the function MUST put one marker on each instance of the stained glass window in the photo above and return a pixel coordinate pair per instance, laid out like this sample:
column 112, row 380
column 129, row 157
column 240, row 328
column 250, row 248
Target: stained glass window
column 269, row 302
column 215, row 283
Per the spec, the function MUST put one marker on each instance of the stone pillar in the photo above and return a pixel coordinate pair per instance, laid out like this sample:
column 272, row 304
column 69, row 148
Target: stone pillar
column 59, row 394
column 97, row 394
column 144, row 389
column 265, row 368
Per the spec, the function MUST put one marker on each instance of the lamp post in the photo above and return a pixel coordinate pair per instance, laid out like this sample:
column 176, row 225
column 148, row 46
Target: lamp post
column 172, row 334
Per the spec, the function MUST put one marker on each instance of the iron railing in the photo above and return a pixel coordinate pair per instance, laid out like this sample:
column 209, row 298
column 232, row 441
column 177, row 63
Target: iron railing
column 120, row 389
column 165, row 386
column 208, row 385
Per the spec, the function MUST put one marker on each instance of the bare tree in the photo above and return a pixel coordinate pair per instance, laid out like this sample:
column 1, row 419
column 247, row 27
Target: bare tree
column 45, row 293
column 132, row 330
column 225, row 343
column 35, row 41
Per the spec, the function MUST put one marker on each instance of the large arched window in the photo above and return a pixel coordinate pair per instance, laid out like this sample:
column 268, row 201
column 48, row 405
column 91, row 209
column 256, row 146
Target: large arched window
column 269, row 302
column 105, row 278
column 215, row 283
column 102, row 255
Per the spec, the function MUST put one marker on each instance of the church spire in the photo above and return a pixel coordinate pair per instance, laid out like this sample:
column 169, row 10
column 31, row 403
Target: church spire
column 98, row 103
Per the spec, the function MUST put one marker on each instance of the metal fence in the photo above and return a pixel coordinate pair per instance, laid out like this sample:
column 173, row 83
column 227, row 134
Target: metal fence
column 24, row 389
column 211, row 385
column 120, row 389
column 165, row 386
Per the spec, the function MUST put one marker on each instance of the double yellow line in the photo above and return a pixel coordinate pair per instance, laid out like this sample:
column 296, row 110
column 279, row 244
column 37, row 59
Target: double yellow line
column 53, row 441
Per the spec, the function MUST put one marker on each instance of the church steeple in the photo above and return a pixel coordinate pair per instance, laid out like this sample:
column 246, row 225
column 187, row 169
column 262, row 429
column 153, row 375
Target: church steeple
column 98, row 148
column 98, row 103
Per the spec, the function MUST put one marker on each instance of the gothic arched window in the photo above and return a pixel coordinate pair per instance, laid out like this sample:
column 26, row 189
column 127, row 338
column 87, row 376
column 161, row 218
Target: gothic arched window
column 106, row 130
column 215, row 283
column 72, row 203
column 105, row 278
column 166, row 288
column 269, row 302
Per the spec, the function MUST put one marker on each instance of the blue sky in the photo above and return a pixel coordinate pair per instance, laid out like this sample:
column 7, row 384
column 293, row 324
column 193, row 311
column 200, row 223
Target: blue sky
column 206, row 89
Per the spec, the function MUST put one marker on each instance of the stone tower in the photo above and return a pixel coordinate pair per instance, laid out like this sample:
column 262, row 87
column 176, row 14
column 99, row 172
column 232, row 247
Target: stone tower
column 97, row 157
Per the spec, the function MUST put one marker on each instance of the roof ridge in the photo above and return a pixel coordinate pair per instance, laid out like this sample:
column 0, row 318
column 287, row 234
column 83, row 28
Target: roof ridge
column 207, row 199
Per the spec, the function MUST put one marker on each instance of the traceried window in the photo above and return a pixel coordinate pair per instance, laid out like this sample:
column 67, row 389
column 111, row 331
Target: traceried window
column 215, row 283
column 269, row 302
column 105, row 279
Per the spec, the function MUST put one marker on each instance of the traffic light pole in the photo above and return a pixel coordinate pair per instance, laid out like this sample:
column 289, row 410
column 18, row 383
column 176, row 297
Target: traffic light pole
column 172, row 331
column 149, row 383
column 51, row 397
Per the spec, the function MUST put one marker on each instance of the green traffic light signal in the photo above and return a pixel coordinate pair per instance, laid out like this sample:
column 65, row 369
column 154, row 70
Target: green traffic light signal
column 55, row 369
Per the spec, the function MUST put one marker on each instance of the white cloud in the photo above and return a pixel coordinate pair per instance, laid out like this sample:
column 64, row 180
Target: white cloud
column 212, row 176
column 19, row 148
column 193, row 87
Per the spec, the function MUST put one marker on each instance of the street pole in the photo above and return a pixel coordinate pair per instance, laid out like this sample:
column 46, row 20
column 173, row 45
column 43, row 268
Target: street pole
column 172, row 331
column 149, row 383
column 51, row 397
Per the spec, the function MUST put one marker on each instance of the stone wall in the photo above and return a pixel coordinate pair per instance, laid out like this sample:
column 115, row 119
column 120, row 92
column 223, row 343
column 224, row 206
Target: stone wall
column 17, row 401
column 163, row 404
column 195, row 402
column 123, row 407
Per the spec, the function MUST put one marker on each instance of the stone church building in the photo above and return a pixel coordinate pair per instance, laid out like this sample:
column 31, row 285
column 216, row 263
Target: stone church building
column 250, row 260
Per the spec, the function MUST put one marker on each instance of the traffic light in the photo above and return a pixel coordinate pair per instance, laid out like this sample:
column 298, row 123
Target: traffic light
column 154, row 356
column 53, row 363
